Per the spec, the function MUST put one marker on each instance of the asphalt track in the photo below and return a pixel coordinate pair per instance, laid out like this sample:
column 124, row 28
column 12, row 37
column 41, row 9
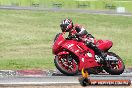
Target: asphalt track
column 52, row 80
column 104, row 12
column 10, row 78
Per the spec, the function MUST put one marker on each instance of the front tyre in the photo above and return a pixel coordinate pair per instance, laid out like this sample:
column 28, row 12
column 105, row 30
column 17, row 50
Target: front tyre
column 66, row 65
column 114, row 68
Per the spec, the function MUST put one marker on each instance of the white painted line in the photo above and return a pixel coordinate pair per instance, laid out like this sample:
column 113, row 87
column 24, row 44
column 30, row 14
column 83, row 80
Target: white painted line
column 28, row 83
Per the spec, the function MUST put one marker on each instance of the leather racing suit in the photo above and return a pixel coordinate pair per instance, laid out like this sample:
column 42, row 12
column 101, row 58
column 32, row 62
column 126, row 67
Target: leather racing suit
column 79, row 32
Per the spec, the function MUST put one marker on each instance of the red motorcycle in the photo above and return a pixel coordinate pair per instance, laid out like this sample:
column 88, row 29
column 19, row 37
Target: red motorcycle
column 71, row 56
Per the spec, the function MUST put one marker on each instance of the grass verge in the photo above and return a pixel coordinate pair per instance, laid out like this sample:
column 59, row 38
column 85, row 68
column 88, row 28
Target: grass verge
column 26, row 36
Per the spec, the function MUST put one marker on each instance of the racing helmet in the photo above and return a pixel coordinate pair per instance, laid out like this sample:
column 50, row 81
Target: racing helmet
column 66, row 25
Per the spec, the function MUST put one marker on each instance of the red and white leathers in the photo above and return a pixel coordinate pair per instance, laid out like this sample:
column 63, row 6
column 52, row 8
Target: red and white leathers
column 87, row 38
column 80, row 31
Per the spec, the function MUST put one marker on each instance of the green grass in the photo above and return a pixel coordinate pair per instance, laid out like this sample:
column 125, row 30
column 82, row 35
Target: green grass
column 72, row 4
column 26, row 36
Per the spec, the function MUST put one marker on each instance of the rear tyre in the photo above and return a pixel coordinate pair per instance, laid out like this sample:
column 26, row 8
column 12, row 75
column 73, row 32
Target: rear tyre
column 114, row 68
column 66, row 66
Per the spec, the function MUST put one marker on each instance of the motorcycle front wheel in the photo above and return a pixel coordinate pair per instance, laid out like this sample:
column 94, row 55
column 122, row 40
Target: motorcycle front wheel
column 65, row 65
column 114, row 68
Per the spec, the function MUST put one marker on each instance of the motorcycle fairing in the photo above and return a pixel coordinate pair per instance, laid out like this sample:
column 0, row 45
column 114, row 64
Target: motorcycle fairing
column 72, row 46
column 86, row 55
column 63, row 52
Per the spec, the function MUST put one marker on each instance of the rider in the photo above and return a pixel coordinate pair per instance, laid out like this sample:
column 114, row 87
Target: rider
column 79, row 32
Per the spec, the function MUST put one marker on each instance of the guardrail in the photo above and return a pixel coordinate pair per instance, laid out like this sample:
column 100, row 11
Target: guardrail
column 58, row 5
column 110, row 6
column 35, row 4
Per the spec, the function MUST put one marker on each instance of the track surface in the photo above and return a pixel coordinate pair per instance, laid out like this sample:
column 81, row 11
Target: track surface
column 105, row 12
column 30, row 78
column 52, row 80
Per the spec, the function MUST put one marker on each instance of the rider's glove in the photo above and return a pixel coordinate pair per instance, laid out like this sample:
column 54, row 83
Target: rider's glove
column 71, row 36
column 77, row 34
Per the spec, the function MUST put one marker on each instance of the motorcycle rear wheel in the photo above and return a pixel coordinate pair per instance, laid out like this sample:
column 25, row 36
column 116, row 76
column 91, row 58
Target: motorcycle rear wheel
column 62, row 64
column 115, row 69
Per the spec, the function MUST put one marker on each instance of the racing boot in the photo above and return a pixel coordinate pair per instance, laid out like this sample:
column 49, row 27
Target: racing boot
column 102, row 55
column 97, row 51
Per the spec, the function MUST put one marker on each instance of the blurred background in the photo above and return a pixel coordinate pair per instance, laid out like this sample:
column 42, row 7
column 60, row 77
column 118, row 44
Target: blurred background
column 72, row 4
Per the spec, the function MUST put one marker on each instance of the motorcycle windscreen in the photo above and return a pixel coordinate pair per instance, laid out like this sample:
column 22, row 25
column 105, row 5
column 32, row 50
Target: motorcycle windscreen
column 57, row 43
